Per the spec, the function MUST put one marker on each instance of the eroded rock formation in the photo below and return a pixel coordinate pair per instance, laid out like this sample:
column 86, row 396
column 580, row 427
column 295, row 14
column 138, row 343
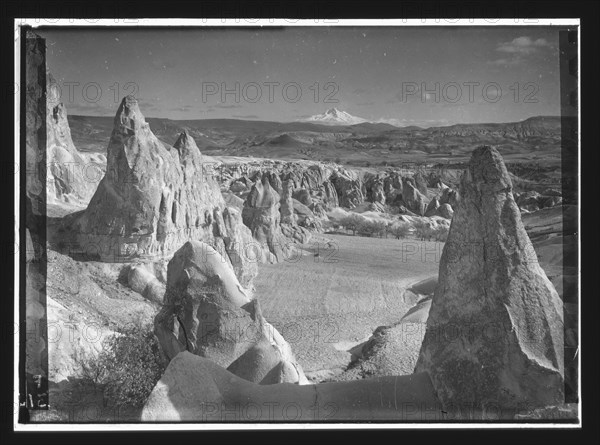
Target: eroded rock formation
column 71, row 177
column 261, row 215
column 495, row 329
column 349, row 188
column 153, row 198
column 415, row 201
column 207, row 312
column 196, row 389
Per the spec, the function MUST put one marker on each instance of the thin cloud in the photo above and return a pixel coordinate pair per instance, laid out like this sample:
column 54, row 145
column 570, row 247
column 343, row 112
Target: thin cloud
column 518, row 49
column 523, row 45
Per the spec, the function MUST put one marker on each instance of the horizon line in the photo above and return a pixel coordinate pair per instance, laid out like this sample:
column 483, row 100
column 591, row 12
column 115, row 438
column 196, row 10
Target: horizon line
column 327, row 125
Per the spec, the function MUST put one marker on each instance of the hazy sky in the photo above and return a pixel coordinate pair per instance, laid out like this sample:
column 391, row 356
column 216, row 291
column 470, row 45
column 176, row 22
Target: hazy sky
column 416, row 75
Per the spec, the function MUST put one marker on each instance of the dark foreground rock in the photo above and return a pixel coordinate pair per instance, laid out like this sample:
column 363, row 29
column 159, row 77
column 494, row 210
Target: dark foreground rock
column 495, row 328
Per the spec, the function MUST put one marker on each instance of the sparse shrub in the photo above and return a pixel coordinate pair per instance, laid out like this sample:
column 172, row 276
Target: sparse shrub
column 423, row 230
column 352, row 222
column 127, row 368
column 423, row 233
column 372, row 228
column 328, row 225
column 400, row 230
column 93, row 369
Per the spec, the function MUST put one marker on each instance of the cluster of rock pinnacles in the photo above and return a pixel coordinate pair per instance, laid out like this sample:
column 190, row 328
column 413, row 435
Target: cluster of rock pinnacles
column 494, row 333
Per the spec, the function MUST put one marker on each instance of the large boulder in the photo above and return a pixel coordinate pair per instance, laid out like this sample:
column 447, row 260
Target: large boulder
column 261, row 215
column 153, row 198
column 494, row 334
column 208, row 313
column 145, row 283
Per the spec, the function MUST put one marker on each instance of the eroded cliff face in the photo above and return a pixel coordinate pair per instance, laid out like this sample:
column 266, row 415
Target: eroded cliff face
column 495, row 329
column 153, row 198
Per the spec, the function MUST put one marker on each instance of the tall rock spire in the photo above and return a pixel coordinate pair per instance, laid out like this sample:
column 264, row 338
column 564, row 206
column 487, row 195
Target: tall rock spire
column 186, row 145
column 150, row 202
column 495, row 329
column 70, row 177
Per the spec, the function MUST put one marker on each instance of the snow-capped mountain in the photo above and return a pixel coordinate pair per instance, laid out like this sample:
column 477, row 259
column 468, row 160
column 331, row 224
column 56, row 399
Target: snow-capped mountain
column 333, row 116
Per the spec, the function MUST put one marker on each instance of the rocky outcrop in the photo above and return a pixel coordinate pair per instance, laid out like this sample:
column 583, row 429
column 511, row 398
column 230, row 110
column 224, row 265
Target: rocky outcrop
column 289, row 218
column 303, row 196
column 378, row 193
column 208, row 313
column 432, row 207
column 529, row 201
column 261, row 215
column 391, row 350
column 532, row 201
column 495, row 328
column 154, row 198
column 392, row 186
column 196, row 389
column 415, row 201
column 420, row 183
column 445, row 211
column 447, row 195
column 287, row 204
column 71, row 178
column 349, row 188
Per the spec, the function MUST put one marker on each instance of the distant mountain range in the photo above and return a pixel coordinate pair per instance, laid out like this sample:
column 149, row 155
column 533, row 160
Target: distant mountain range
column 327, row 140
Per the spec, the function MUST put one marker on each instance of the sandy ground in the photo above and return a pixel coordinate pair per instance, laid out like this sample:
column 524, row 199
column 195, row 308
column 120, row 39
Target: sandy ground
column 324, row 305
